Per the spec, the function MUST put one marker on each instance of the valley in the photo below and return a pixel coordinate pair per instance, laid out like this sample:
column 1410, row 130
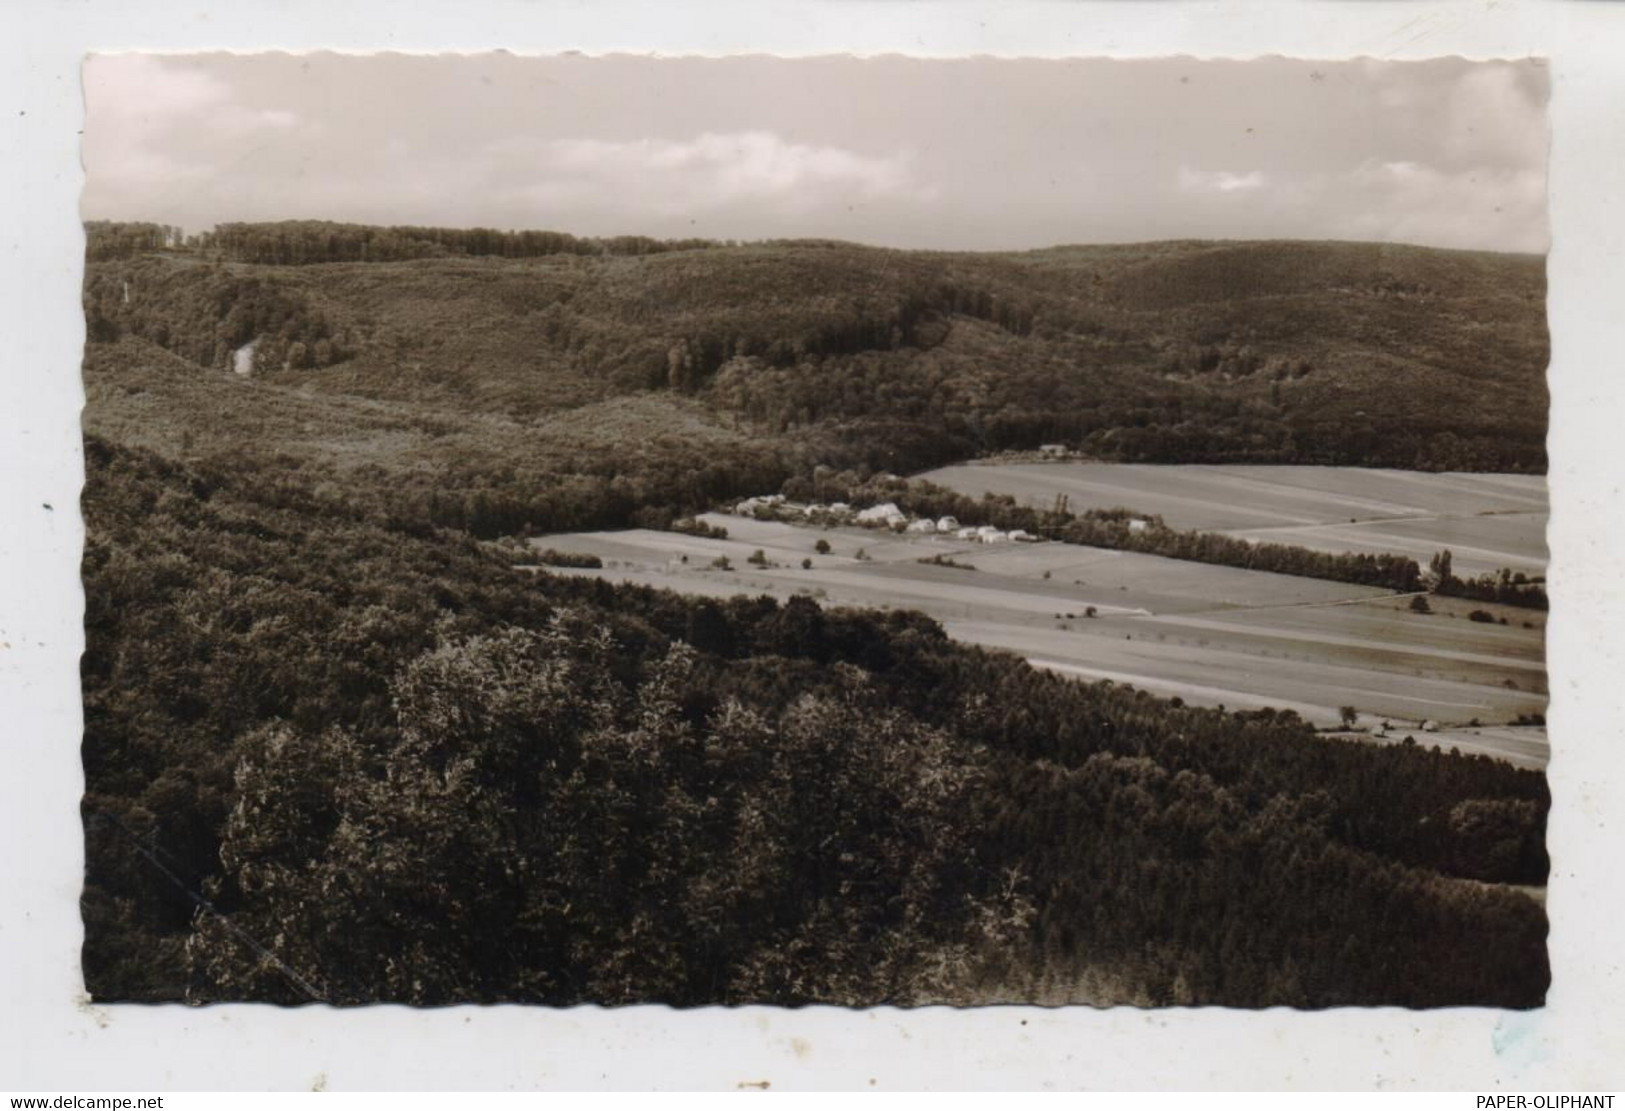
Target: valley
column 1209, row 635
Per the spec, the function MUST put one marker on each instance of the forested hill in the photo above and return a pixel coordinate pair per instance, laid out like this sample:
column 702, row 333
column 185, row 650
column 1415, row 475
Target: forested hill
column 1341, row 353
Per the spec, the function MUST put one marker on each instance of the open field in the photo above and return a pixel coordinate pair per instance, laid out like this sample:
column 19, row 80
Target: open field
column 1210, row 635
column 1488, row 521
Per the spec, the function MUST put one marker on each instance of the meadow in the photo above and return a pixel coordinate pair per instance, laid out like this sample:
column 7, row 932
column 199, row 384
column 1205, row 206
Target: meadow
column 1488, row 521
column 1209, row 635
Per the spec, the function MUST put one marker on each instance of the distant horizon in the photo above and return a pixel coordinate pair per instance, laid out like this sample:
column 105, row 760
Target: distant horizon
column 978, row 154
column 726, row 242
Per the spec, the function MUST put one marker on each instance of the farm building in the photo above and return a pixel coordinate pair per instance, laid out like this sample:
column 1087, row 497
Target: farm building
column 947, row 524
column 922, row 525
column 1052, row 451
column 1022, row 535
column 884, row 513
column 966, row 534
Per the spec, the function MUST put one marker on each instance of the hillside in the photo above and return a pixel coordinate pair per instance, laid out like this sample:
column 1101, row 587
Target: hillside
column 337, row 747
column 419, row 776
column 1352, row 354
column 639, row 457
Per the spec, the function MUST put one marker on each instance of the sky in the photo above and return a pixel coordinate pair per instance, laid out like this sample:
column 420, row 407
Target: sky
column 973, row 154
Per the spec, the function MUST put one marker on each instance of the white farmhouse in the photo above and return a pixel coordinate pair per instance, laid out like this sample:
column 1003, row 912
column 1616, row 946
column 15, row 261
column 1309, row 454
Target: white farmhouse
column 966, row 534
column 922, row 525
column 947, row 524
column 883, row 514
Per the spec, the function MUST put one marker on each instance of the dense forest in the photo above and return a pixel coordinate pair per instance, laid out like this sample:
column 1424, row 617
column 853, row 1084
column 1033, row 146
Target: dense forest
column 1357, row 354
column 337, row 748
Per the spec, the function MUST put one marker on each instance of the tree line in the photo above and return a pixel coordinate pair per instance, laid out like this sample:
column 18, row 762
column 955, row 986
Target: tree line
column 1508, row 587
column 118, row 239
column 1125, row 529
column 1117, row 527
column 310, row 242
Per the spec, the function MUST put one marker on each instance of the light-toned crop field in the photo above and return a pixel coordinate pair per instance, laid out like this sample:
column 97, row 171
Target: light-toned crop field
column 1210, row 635
column 1488, row 521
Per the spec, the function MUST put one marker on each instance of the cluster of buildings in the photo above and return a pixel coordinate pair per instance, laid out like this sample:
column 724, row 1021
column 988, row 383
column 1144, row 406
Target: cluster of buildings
column 987, row 534
column 885, row 515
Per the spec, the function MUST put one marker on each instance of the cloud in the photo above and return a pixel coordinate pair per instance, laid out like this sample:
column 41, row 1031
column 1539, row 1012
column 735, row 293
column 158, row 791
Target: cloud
column 707, row 171
column 1402, row 200
column 137, row 100
column 1220, row 181
column 279, row 118
column 142, row 89
column 1447, row 152
column 1417, row 202
column 153, row 127
column 1492, row 118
